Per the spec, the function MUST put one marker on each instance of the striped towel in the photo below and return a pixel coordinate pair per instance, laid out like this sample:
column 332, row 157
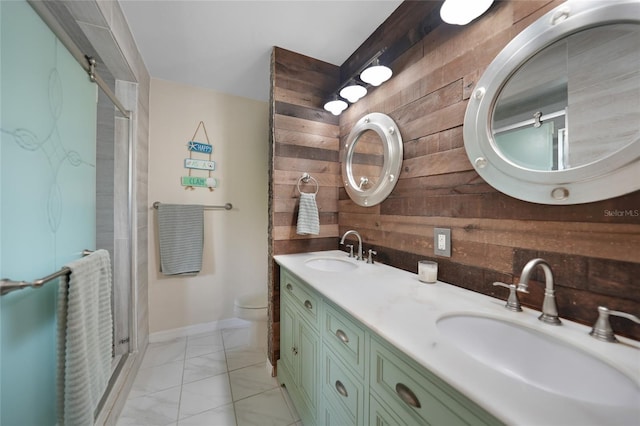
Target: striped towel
column 308, row 221
column 181, row 238
column 85, row 338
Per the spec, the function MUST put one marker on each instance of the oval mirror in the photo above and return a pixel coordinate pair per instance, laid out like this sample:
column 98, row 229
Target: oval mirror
column 371, row 159
column 555, row 118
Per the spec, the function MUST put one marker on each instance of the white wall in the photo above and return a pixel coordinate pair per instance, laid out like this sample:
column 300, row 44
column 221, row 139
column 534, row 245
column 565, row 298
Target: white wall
column 235, row 242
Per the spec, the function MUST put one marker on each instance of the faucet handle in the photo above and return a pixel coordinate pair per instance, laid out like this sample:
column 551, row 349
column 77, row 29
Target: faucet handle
column 602, row 328
column 371, row 254
column 513, row 303
column 350, row 247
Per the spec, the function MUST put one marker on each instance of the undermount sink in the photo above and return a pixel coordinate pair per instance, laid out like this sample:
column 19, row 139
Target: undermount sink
column 539, row 360
column 331, row 264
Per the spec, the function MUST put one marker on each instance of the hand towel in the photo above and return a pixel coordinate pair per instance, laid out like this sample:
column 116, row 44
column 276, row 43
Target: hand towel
column 308, row 221
column 181, row 238
column 85, row 338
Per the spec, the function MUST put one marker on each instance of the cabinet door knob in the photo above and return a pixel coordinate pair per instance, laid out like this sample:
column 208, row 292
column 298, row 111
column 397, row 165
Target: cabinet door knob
column 341, row 389
column 294, row 350
column 289, row 287
column 407, row 395
column 308, row 304
column 342, row 336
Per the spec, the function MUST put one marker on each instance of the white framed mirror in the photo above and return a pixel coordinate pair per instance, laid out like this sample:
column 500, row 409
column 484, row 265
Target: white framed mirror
column 555, row 118
column 371, row 159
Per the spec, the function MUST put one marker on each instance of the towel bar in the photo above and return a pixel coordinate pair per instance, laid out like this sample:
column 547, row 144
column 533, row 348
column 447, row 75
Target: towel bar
column 227, row 206
column 7, row 285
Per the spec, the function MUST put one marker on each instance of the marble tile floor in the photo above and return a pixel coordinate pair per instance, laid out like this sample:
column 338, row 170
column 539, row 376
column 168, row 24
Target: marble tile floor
column 212, row 379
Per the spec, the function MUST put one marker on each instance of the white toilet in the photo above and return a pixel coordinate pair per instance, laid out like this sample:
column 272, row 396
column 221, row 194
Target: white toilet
column 252, row 307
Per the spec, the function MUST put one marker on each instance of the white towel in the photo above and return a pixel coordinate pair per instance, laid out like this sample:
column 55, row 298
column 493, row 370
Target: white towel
column 181, row 238
column 308, row 221
column 85, row 338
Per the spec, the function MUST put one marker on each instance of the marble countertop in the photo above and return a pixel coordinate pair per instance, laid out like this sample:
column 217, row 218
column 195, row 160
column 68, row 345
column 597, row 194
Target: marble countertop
column 404, row 311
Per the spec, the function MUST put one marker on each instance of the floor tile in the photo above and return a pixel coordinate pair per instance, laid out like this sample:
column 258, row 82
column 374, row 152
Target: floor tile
column 220, row 416
column 235, row 338
column 192, row 381
column 239, row 358
column 163, row 353
column 154, row 379
column 203, row 344
column 204, row 395
column 249, row 381
column 155, row 409
column 201, row 367
column 265, row 409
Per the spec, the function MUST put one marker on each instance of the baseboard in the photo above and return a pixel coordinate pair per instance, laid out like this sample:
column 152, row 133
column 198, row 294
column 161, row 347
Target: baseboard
column 190, row 330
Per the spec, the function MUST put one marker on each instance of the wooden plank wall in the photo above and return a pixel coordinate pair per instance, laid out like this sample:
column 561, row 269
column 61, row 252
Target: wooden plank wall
column 594, row 249
column 304, row 138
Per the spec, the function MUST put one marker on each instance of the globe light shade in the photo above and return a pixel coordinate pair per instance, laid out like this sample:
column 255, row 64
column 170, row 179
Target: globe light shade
column 353, row 92
column 376, row 75
column 461, row 12
column 336, row 107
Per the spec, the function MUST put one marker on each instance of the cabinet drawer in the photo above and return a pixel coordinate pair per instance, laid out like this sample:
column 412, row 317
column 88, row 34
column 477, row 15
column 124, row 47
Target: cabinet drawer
column 345, row 338
column 307, row 301
column 413, row 393
column 342, row 390
column 381, row 416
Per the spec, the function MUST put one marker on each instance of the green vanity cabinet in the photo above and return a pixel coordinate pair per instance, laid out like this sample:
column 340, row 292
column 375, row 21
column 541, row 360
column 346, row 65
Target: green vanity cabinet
column 298, row 368
column 340, row 373
column 416, row 396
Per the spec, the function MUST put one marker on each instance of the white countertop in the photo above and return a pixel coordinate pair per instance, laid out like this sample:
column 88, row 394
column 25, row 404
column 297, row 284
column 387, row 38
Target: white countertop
column 404, row 311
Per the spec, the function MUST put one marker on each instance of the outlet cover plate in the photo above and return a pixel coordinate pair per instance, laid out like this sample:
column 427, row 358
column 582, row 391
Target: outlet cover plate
column 442, row 242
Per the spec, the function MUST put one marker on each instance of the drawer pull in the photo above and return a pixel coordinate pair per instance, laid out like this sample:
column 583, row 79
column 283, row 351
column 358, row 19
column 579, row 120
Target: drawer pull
column 289, row 287
column 308, row 304
column 407, row 395
column 342, row 336
column 341, row 389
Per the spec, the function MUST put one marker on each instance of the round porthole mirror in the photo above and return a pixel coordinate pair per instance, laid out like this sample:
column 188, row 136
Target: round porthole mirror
column 372, row 159
column 554, row 118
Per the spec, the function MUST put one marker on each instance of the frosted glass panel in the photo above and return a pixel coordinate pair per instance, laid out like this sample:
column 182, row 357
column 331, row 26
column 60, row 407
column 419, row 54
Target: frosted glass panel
column 530, row 147
column 47, row 201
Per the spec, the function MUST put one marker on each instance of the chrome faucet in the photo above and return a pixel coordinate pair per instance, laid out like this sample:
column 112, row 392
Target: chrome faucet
column 549, row 308
column 354, row 232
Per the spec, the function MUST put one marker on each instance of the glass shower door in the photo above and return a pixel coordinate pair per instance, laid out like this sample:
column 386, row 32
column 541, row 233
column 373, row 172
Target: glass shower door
column 47, row 201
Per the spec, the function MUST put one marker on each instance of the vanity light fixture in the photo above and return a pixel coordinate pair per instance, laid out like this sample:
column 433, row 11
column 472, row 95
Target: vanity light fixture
column 376, row 74
column 461, row 12
column 353, row 92
column 336, row 106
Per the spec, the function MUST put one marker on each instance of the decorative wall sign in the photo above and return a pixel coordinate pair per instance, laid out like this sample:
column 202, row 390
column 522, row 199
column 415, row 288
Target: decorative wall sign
column 200, row 147
column 190, row 163
column 200, row 182
column 191, row 182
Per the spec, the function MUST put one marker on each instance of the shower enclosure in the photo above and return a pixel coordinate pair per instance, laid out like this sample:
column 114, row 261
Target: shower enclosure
column 65, row 186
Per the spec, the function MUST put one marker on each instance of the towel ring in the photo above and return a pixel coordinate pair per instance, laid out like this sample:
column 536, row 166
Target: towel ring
column 305, row 178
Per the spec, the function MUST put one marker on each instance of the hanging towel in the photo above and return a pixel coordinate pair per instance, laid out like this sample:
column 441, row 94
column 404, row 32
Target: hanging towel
column 181, row 238
column 85, row 338
column 308, row 221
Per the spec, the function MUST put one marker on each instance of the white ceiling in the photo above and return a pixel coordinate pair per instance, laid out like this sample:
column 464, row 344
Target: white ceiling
column 226, row 45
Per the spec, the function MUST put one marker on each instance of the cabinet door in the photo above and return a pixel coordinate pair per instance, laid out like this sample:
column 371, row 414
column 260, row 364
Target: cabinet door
column 287, row 337
column 308, row 377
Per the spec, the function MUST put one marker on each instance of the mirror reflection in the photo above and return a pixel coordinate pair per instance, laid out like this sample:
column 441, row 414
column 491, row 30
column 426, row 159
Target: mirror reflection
column 368, row 160
column 573, row 103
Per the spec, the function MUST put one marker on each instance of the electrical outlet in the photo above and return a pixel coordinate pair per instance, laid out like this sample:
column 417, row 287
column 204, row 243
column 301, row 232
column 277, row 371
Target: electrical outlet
column 442, row 242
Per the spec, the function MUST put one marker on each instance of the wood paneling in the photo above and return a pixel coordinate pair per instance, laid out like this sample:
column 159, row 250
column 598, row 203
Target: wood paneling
column 304, row 138
column 594, row 248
